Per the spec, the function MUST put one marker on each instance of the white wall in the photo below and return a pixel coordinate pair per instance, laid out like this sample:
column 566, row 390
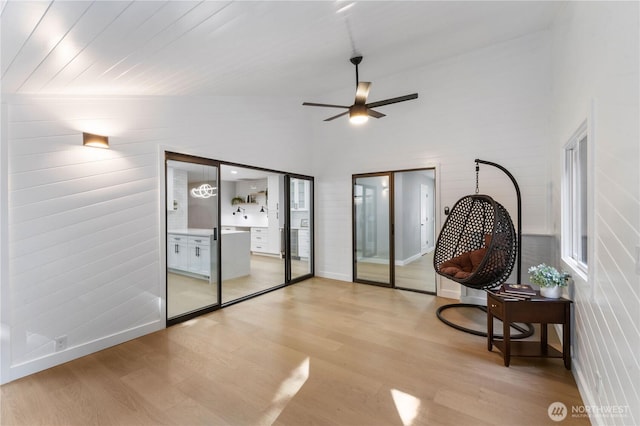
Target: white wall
column 595, row 63
column 85, row 225
column 490, row 104
column 82, row 228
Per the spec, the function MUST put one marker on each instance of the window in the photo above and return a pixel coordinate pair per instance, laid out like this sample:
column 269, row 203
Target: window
column 575, row 225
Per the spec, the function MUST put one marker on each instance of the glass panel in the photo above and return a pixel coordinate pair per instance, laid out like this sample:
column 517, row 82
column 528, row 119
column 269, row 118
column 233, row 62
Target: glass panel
column 582, row 187
column 252, row 227
column 192, row 237
column 371, row 229
column 301, row 227
column 414, row 218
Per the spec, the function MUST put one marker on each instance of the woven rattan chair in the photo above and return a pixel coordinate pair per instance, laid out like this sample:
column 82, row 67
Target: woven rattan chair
column 481, row 228
column 478, row 246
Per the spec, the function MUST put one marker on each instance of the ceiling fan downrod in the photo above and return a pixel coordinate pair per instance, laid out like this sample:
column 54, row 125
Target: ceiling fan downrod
column 356, row 61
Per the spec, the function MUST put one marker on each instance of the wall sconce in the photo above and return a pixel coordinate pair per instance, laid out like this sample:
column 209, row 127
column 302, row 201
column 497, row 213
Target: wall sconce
column 96, row 141
column 241, row 211
column 263, row 209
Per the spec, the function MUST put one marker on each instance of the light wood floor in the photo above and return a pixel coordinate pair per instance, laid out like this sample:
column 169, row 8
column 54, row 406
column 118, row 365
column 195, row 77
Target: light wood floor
column 319, row 352
column 417, row 275
column 186, row 294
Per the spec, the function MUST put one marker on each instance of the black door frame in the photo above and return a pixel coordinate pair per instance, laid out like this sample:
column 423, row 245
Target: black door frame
column 390, row 227
column 392, row 266
column 170, row 155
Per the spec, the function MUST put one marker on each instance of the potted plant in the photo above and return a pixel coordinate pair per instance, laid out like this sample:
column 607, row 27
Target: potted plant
column 549, row 279
column 237, row 200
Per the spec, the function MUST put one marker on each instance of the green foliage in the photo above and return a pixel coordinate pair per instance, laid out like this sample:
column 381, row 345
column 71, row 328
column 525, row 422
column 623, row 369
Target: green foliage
column 548, row 276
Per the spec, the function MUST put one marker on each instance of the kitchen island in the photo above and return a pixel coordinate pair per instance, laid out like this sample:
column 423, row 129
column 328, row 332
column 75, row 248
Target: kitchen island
column 193, row 252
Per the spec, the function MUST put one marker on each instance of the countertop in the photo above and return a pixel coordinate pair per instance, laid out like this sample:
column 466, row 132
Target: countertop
column 198, row 232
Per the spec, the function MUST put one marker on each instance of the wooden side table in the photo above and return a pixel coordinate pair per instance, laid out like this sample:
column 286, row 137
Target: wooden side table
column 535, row 310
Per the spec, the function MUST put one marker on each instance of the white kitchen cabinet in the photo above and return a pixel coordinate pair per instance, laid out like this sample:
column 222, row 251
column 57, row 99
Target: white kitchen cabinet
column 275, row 215
column 189, row 254
column 304, row 243
column 199, row 256
column 177, row 252
column 259, row 240
column 299, row 194
column 193, row 252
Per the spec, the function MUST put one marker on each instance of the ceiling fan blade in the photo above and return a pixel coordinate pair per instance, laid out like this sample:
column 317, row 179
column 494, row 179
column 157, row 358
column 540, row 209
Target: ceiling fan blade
column 324, row 105
column 393, row 100
column 375, row 114
column 362, row 92
column 336, row 116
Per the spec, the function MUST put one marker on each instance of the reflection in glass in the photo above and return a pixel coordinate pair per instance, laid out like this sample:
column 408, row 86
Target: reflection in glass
column 192, row 217
column 414, row 216
column 372, row 236
column 252, row 227
column 300, row 197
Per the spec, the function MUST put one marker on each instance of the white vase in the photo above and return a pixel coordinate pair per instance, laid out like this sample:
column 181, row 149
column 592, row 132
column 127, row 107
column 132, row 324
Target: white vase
column 554, row 292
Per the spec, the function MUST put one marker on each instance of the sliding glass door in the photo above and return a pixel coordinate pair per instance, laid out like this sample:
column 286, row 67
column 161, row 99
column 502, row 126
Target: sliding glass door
column 232, row 232
column 372, row 230
column 192, row 236
column 253, row 222
column 414, row 239
column 394, row 229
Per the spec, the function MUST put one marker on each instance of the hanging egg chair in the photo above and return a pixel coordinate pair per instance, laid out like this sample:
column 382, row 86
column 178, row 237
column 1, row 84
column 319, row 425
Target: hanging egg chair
column 477, row 244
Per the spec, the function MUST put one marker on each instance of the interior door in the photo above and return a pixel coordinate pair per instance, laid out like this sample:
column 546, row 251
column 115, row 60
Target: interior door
column 372, row 229
column 193, row 279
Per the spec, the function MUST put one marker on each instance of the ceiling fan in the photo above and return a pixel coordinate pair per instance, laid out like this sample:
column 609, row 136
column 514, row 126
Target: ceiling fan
column 360, row 111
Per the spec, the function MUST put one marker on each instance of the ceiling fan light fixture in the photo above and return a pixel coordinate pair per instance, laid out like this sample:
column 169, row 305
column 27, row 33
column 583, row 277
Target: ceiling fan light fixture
column 361, row 110
column 358, row 114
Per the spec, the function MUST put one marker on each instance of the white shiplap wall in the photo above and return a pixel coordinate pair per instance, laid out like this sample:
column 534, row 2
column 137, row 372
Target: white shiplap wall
column 595, row 76
column 84, row 224
column 489, row 104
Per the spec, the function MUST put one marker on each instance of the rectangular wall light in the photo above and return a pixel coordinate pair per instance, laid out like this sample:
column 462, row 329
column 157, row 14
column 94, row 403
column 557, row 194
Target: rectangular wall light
column 97, row 141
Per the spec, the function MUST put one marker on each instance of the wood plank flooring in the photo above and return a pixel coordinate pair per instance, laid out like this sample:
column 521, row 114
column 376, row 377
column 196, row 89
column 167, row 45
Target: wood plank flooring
column 319, row 352
column 186, row 294
column 417, row 275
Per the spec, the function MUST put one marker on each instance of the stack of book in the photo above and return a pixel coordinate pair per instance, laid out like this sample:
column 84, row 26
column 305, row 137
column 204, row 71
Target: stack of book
column 514, row 291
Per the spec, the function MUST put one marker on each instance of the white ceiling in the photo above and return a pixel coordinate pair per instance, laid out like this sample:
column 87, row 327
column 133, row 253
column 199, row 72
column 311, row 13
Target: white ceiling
column 263, row 48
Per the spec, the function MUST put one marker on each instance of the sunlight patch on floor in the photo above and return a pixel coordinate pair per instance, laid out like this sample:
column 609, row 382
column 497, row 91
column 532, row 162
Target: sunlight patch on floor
column 406, row 405
column 287, row 390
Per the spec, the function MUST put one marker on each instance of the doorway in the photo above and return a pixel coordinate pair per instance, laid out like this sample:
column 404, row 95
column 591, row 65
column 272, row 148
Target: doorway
column 394, row 219
column 233, row 232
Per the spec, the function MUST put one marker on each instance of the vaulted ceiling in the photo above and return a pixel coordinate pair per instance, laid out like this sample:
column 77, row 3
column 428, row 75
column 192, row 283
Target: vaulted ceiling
column 262, row 48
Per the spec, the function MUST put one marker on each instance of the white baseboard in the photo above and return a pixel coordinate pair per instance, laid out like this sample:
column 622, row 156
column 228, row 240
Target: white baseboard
column 448, row 293
column 33, row 366
column 476, row 300
column 334, row 276
column 408, row 260
column 585, row 392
